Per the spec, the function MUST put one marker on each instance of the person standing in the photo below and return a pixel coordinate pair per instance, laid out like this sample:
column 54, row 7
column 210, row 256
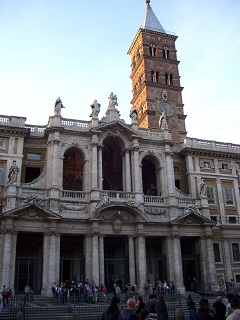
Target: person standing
column 112, row 312
column 220, row 308
column 4, row 294
column 161, row 309
column 191, row 307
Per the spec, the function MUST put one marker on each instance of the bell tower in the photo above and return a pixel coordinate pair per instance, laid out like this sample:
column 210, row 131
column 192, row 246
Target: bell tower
column 155, row 77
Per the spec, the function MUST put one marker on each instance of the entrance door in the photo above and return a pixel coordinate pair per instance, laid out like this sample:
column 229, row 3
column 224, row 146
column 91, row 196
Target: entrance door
column 190, row 263
column 29, row 262
column 71, row 269
column 115, row 261
column 28, row 271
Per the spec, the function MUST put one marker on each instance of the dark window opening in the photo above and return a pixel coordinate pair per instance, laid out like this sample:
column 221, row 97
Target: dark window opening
column 217, row 252
column 73, row 164
column 31, row 174
column 154, row 76
column 177, row 184
column 168, row 79
column 152, row 51
column 112, row 165
column 149, row 178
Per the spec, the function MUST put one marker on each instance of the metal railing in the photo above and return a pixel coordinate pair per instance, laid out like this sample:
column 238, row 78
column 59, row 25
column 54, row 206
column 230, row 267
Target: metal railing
column 49, row 308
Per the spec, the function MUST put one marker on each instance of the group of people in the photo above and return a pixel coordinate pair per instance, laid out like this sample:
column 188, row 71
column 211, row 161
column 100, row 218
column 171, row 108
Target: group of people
column 86, row 291
column 222, row 309
column 159, row 287
column 137, row 310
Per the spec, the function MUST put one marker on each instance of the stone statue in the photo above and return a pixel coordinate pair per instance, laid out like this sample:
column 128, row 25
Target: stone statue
column 95, row 108
column 202, row 189
column 58, row 106
column 13, row 173
column 112, row 101
column 163, row 121
column 133, row 114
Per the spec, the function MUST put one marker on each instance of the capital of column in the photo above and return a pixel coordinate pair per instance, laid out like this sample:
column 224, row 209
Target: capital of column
column 9, row 231
column 140, row 235
column 207, row 237
column 169, row 153
column 95, row 144
column 131, row 236
column 56, row 142
column 52, row 233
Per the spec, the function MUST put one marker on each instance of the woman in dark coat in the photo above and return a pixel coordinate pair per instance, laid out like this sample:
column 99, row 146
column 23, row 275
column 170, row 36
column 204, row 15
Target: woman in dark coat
column 112, row 312
column 161, row 308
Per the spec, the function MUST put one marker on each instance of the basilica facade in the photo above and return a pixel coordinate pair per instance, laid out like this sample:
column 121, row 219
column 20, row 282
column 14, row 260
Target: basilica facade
column 103, row 199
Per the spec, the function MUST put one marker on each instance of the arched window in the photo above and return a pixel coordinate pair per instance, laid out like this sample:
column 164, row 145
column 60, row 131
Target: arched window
column 152, row 50
column 165, row 53
column 168, row 79
column 73, row 170
column 154, row 76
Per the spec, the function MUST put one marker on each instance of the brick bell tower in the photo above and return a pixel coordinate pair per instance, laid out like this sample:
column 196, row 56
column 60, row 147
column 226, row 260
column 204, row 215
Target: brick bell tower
column 155, row 77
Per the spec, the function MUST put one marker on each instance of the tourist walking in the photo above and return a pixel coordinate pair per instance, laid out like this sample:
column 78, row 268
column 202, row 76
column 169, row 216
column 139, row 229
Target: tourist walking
column 235, row 304
column 144, row 314
column 4, row 294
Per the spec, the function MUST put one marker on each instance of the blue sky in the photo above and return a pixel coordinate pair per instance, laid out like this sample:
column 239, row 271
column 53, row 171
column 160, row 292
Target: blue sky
column 78, row 50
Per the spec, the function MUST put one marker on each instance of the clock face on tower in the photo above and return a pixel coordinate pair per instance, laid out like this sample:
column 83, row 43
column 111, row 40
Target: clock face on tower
column 166, row 108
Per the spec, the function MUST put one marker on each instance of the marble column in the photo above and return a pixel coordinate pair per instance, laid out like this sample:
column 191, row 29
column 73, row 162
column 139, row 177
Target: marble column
column 94, row 166
column 8, row 260
column 169, row 256
column 128, row 170
column 95, row 258
column 203, row 261
column 46, row 245
column 142, row 268
column 177, row 256
column 54, row 258
column 169, row 172
column 131, row 253
column 55, row 159
column 88, row 255
column 13, row 259
column 136, row 168
column 101, row 260
column 227, row 259
column 100, row 167
column 210, row 259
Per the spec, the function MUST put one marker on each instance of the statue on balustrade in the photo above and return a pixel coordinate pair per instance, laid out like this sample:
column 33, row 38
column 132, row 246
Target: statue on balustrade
column 58, row 106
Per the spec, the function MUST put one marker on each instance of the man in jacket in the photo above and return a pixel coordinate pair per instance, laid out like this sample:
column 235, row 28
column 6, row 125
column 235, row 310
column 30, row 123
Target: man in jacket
column 220, row 308
column 129, row 313
column 205, row 312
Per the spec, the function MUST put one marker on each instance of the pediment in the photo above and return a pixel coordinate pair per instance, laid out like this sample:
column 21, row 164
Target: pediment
column 118, row 215
column 116, row 127
column 193, row 218
column 31, row 211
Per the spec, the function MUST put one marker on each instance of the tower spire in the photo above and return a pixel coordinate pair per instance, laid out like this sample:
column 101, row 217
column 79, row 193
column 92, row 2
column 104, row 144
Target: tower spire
column 150, row 21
